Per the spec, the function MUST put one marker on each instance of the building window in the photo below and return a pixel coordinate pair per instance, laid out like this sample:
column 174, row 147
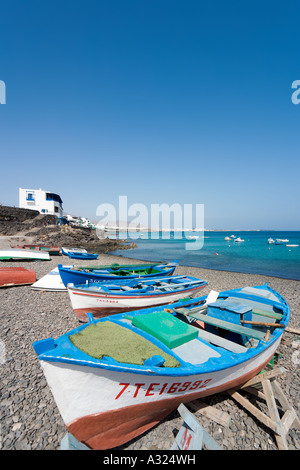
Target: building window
column 30, row 197
column 55, row 209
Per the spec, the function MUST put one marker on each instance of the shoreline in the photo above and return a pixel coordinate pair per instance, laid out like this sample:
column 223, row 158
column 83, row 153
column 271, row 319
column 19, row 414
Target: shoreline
column 29, row 417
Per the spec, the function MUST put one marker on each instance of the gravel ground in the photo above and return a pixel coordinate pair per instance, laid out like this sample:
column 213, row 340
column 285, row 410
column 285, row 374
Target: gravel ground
column 29, row 417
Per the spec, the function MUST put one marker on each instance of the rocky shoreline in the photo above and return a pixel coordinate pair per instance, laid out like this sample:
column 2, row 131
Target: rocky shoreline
column 29, row 416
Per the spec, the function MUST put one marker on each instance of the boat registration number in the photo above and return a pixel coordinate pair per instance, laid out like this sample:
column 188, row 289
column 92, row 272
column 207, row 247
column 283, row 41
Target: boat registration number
column 158, row 389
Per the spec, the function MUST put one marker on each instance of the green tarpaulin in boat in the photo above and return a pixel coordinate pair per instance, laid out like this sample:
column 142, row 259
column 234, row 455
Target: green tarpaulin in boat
column 120, row 343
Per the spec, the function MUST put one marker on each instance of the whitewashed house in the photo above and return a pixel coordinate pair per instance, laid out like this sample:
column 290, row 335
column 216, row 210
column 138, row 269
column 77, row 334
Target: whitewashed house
column 43, row 201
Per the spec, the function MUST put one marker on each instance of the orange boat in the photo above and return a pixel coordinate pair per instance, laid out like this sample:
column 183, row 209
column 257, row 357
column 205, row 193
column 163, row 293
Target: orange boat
column 16, row 277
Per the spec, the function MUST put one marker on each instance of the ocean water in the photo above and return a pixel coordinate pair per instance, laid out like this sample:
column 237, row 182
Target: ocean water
column 254, row 255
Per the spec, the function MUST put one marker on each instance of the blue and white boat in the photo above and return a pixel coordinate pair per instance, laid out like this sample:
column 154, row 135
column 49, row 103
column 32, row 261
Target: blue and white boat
column 81, row 274
column 111, row 297
column 77, row 255
column 116, row 377
column 66, row 251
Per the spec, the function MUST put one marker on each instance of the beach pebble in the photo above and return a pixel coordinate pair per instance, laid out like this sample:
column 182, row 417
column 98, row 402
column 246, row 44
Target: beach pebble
column 29, row 417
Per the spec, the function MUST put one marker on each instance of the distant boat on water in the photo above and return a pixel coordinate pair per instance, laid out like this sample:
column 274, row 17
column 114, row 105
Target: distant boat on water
column 280, row 241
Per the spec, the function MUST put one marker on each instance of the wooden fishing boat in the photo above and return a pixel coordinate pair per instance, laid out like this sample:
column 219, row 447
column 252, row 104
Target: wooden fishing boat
column 77, row 255
column 14, row 253
column 116, row 377
column 16, row 276
column 81, row 274
column 66, row 250
column 111, row 297
column 52, row 250
column 50, row 282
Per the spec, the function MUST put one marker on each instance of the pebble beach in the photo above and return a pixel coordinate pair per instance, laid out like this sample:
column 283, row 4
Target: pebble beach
column 29, row 417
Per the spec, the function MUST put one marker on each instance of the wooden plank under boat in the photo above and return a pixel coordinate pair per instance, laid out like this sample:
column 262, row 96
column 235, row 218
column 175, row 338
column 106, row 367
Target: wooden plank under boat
column 81, row 274
column 111, row 297
column 16, row 276
column 115, row 378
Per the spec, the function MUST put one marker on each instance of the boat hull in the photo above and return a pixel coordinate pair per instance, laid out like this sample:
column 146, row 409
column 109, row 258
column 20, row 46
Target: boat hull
column 72, row 276
column 133, row 403
column 101, row 305
column 82, row 255
column 16, row 277
column 23, row 254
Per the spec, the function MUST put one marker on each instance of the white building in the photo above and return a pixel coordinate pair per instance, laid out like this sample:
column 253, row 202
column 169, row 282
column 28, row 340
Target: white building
column 39, row 200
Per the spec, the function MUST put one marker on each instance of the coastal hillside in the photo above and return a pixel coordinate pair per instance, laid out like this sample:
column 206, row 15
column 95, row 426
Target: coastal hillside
column 29, row 227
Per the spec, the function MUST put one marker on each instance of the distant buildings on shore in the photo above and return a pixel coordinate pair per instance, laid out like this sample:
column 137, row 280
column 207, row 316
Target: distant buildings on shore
column 45, row 202
column 49, row 203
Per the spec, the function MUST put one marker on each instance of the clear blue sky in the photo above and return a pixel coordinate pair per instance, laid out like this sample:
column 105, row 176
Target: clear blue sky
column 163, row 101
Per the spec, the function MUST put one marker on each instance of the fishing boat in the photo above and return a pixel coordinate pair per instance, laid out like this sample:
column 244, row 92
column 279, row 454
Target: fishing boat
column 112, row 297
column 271, row 241
column 228, row 239
column 78, row 255
column 50, row 282
column 239, row 239
column 52, row 250
column 66, row 250
column 81, row 274
column 116, row 377
column 14, row 253
column 16, row 276
column 281, row 241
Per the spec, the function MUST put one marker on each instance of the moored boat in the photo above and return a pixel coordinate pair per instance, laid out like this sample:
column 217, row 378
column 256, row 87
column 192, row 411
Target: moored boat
column 16, row 276
column 112, row 297
column 115, row 378
column 15, row 253
column 81, row 274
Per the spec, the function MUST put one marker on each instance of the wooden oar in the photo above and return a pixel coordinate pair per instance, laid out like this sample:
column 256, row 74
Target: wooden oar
column 260, row 323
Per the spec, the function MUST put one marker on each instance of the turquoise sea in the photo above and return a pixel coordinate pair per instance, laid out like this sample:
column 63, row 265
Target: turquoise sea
column 253, row 255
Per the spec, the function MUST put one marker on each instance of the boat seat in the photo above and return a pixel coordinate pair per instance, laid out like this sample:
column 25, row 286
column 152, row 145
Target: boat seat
column 233, row 327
